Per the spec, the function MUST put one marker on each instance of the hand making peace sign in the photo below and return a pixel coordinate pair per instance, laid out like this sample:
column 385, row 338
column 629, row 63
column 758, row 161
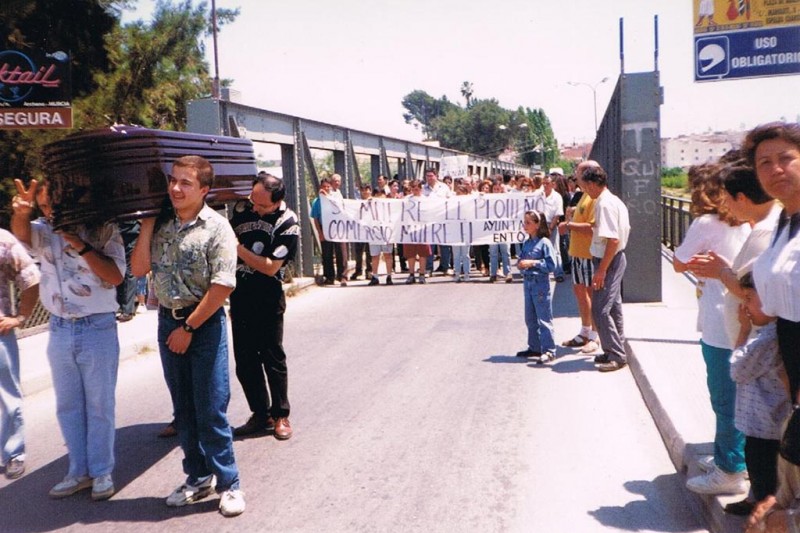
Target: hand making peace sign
column 23, row 201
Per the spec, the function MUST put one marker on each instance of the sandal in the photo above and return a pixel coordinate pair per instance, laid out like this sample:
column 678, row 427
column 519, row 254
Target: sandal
column 576, row 342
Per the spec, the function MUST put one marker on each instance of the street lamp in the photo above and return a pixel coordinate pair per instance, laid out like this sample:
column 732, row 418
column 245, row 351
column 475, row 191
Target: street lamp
column 594, row 95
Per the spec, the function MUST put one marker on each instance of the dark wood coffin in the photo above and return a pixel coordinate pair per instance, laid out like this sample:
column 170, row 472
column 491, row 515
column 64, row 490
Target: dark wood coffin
column 120, row 173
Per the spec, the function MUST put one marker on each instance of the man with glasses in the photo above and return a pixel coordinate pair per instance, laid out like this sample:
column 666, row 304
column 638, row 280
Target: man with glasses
column 192, row 254
column 267, row 231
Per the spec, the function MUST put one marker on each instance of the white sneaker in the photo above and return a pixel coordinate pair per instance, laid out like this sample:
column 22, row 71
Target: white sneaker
column 231, row 502
column 718, row 481
column 546, row 357
column 102, row 487
column 186, row 494
column 69, row 486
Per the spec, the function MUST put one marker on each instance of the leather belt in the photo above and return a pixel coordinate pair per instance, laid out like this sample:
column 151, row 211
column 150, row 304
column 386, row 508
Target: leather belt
column 180, row 313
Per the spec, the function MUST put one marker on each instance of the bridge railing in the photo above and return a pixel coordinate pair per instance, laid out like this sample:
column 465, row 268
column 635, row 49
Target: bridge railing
column 675, row 220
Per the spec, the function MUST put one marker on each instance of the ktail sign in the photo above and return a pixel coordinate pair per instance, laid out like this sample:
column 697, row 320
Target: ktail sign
column 35, row 90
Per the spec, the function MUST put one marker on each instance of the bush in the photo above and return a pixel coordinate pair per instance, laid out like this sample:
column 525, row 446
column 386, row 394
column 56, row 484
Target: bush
column 674, row 178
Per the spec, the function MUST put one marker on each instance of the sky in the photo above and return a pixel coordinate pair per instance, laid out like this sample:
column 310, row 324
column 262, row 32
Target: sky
column 351, row 62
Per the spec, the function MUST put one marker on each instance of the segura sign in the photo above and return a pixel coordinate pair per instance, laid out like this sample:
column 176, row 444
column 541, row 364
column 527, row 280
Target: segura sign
column 35, row 90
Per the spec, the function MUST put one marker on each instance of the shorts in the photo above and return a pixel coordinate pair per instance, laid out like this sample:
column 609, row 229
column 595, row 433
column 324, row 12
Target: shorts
column 582, row 271
column 377, row 249
column 410, row 251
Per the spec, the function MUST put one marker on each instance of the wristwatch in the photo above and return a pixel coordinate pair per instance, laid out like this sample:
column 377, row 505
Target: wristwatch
column 187, row 328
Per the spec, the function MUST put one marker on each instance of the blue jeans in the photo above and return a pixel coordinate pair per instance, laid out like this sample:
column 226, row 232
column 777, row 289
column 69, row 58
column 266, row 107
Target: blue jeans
column 200, row 388
column 728, row 441
column 555, row 238
column 539, row 313
column 12, row 436
column 502, row 249
column 444, row 258
column 84, row 358
column 461, row 259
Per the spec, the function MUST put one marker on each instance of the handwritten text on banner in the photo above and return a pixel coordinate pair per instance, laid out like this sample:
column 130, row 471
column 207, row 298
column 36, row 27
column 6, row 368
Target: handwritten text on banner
column 484, row 219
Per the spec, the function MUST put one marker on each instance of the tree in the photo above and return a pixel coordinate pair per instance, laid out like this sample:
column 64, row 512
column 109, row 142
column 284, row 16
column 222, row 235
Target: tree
column 484, row 127
column 156, row 68
column 467, row 91
column 423, row 109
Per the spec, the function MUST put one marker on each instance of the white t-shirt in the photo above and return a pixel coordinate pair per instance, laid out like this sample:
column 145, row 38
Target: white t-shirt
column 777, row 276
column 708, row 233
column 611, row 221
column 753, row 247
column 553, row 206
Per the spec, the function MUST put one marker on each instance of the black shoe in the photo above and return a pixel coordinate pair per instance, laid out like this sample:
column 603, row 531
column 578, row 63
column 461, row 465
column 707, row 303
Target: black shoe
column 410, row 280
column 601, row 358
column 389, row 280
column 559, row 279
column 611, row 366
column 422, row 280
column 255, row 424
column 354, row 276
column 741, row 508
column 374, row 281
column 528, row 353
column 492, row 279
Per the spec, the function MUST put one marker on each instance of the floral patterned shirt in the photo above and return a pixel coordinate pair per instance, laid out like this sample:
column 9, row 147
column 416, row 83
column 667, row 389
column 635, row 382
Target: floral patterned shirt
column 15, row 266
column 69, row 288
column 188, row 258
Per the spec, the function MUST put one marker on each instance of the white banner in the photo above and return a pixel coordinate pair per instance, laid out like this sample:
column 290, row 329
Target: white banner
column 483, row 219
column 455, row 166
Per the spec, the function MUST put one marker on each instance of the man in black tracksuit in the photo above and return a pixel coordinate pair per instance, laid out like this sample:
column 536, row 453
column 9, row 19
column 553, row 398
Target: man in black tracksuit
column 267, row 231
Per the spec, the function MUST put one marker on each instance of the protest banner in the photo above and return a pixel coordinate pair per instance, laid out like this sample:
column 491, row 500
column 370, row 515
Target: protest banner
column 471, row 219
column 455, row 166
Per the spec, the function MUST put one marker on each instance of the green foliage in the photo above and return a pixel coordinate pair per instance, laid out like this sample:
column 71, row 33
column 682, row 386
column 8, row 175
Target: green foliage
column 484, row 127
column 156, row 68
column 674, row 178
column 423, row 109
column 140, row 73
column 675, row 182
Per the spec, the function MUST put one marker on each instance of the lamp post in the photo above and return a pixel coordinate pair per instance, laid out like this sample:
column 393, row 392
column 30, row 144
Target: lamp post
column 594, row 94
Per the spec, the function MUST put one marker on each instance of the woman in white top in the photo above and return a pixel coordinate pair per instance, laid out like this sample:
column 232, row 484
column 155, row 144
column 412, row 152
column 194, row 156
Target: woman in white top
column 714, row 230
column 774, row 151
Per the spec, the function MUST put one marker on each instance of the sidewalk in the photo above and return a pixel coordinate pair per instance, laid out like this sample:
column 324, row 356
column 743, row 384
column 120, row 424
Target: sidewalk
column 665, row 360
column 668, row 367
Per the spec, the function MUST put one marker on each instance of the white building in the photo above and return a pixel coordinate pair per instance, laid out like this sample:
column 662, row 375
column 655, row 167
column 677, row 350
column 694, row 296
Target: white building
column 687, row 150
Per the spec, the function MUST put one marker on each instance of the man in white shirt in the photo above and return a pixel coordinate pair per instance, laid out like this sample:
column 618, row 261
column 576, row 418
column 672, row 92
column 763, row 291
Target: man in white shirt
column 609, row 239
column 553, row 211
column 434, row 187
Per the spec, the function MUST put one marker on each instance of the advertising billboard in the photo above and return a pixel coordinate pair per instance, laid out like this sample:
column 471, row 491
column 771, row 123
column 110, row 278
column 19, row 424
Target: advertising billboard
column 35, row 90
column 746, row 39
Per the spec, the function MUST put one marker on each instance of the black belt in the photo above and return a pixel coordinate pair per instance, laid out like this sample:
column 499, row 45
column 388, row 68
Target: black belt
column 180, row 313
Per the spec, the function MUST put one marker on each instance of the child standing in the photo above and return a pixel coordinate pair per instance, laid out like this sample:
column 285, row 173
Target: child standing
column 762, row 395
column 536, row 262
column 461, row 262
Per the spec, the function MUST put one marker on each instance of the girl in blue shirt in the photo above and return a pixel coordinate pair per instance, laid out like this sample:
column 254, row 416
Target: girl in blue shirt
column 536, row 262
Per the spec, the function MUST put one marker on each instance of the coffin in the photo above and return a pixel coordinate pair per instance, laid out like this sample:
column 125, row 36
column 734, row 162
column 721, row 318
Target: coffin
column 120, row 173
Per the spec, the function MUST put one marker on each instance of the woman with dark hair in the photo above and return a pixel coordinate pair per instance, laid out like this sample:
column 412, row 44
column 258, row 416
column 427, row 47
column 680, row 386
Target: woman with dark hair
column 774, row 151
column 714, row 230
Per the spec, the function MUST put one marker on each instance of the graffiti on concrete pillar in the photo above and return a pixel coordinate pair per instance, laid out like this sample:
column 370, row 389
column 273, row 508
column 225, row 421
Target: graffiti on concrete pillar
column 641, row 170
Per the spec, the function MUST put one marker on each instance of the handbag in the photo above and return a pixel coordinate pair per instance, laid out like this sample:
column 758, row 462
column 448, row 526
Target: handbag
column 790, row 441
